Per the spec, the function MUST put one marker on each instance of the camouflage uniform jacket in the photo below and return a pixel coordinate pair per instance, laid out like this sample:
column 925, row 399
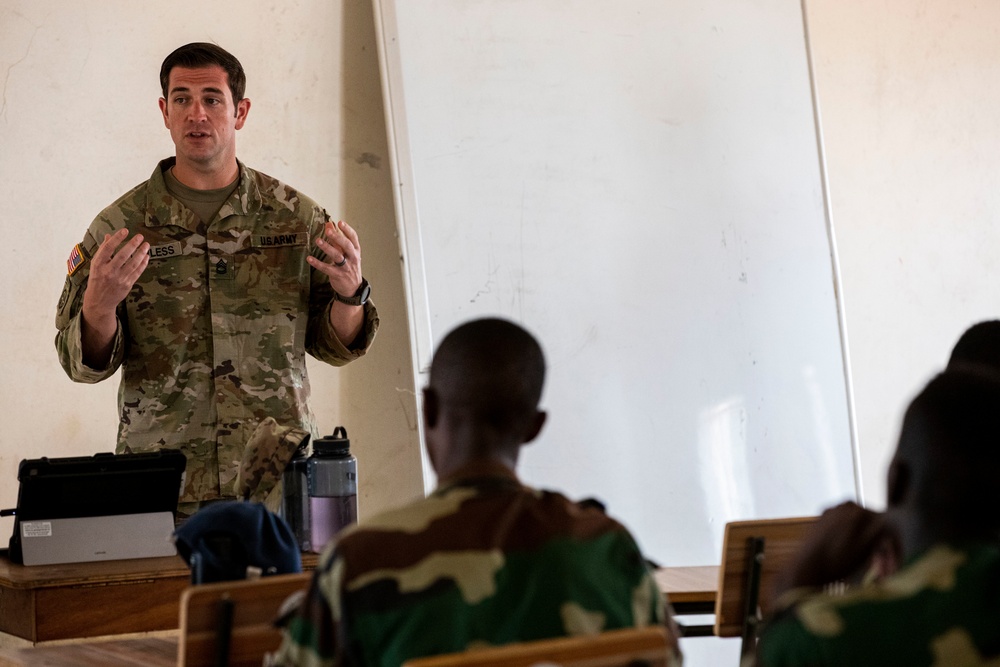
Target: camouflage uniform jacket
column 212, row 338
column 941, row 610
column 481, row 561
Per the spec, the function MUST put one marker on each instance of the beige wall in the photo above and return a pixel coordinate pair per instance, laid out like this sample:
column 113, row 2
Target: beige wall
column 909, row 101
column 79, row 125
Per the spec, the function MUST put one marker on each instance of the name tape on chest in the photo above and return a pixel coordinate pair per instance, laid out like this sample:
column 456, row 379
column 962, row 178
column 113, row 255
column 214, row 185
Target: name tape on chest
column 277, row 240
column 165, row 250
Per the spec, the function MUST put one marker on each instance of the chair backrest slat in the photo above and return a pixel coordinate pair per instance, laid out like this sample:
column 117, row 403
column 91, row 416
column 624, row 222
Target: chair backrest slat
column 781, row 538
column 614, row 648
column 249, row 608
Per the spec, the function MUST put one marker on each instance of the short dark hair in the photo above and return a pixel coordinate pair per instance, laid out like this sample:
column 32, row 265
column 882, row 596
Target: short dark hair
column 203, row 54
column 492, row 370
column 979, row 344
column 950, row 448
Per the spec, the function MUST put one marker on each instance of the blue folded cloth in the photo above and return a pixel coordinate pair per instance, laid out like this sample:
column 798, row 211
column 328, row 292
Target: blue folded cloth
column 232, row 540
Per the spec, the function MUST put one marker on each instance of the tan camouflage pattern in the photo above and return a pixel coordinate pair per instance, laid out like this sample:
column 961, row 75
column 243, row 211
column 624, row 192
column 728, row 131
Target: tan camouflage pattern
column 942, row 609
column 268, row 452
column 212, row 338
column 483, row 561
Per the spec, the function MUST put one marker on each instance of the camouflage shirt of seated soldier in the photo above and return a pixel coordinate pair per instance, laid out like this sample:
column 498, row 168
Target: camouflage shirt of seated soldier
column 484, row 560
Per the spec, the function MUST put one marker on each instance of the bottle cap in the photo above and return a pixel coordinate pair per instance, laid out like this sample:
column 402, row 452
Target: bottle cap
column 333, row 445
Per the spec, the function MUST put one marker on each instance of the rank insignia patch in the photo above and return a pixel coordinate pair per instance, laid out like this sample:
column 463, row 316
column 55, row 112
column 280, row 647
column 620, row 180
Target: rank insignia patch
column 76, row 259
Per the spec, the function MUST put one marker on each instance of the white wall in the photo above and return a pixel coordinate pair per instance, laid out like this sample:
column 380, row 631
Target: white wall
column 79, row 125
column 909, row 100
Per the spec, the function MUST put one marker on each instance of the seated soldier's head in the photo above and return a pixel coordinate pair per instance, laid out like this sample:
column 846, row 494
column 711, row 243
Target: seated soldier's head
column 978, row 345
column 943, row 478
column 481, row 402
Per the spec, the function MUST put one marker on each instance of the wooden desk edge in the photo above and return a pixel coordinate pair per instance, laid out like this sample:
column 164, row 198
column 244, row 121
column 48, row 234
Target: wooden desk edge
column 142, row 650
column 103, row 572
column 687, row 584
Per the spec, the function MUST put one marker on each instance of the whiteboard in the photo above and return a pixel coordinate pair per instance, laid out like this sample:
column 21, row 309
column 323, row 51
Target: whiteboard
column 639, row 184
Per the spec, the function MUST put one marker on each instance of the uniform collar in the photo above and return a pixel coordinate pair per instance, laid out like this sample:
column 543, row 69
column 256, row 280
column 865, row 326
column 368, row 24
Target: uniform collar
column 163, row 209
column 481, row 474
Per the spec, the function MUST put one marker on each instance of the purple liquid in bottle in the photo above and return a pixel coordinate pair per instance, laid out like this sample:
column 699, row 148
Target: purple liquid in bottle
column 328, row 515
column 332, row 481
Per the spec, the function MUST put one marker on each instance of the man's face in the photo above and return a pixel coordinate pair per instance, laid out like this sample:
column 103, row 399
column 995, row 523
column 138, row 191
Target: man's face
column 201, row 116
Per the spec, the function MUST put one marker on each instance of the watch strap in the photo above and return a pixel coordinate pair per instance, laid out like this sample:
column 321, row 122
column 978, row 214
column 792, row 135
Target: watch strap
column 359, row 298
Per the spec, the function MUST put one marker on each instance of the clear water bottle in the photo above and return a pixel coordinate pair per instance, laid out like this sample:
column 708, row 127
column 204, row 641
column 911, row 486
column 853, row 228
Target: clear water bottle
column 295, row 497
column 332, row 477
column 321, row 491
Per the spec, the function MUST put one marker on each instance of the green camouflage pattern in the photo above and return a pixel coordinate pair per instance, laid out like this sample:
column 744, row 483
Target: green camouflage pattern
column 213, row 336
column 940, row 610
column 477, row 563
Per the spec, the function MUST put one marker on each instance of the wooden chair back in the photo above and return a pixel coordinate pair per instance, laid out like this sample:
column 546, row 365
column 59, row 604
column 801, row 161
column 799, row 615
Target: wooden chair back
column 753, row 553
column 614, row 648
column 242, row 611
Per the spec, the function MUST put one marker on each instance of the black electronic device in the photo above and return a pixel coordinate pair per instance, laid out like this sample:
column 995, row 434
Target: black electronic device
column 96, row 507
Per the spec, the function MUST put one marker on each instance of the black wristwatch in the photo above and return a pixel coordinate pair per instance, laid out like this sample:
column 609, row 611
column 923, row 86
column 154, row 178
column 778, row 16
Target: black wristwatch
column 360, row 297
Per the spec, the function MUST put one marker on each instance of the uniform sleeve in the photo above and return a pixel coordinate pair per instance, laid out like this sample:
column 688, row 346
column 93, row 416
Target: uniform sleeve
column 310, row 636
column 321, row 341
column 785, row 642
column 657, row 606
column 651, row 607
column 68, row 341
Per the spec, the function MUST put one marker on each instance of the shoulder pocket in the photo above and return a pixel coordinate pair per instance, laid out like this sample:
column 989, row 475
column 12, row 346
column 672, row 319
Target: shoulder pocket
column 72, row 291
column 78, row 268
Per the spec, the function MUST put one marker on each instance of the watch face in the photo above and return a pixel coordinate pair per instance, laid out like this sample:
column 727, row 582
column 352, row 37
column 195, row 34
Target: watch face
column 359, row 298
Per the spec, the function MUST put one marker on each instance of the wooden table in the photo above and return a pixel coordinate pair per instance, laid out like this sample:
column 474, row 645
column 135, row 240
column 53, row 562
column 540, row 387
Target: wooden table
column 142, row 652
column 50, row 602
column 691, row 590
column 43, row 603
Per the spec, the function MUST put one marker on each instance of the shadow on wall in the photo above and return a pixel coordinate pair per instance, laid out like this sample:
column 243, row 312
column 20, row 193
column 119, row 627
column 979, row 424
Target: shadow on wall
column 377, row 392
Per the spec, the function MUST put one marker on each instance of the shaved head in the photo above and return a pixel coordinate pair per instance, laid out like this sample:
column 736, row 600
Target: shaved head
column 482, row 399
column 491, row 370
column 948, row 460
column 980, row 344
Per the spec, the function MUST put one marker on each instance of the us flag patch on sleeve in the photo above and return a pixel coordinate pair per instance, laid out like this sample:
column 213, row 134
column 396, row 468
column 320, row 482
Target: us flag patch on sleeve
column 76, row 259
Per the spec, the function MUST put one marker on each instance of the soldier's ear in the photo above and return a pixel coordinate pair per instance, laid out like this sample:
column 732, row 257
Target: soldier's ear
column 431, row 408
column 163, row 110
column 537, row 422
column 897, row 483
column 242, row 109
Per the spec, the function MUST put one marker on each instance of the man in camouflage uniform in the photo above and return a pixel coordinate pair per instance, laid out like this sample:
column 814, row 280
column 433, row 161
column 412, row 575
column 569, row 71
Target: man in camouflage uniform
column 483, row 560
column 942, row 608
column 207, row 284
